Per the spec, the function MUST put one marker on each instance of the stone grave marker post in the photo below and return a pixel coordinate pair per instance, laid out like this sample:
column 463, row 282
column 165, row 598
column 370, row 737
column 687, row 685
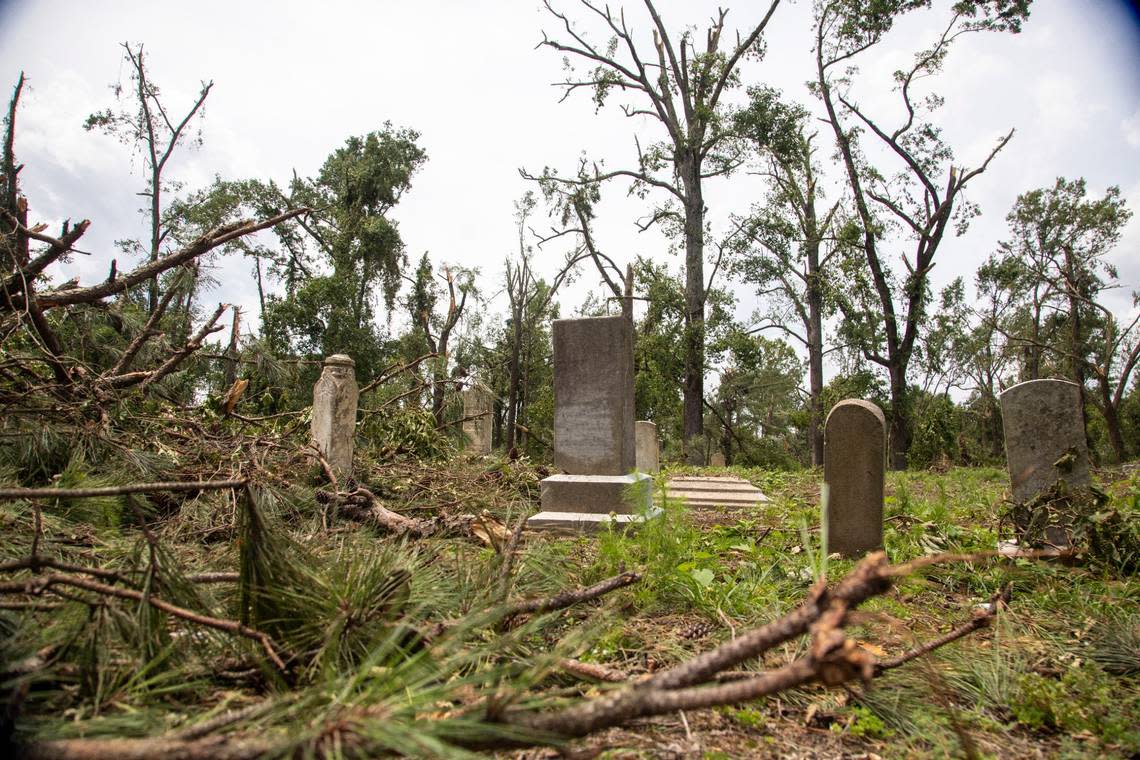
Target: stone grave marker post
column 854, row 468
column 334, row 413
column 477, row 426
column 648, row 456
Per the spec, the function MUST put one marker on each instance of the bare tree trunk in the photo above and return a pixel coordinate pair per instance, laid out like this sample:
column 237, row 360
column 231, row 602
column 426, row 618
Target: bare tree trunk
column 1112, row 422
column 815, row 352
column 694, row 386
column 513, row 391
column 900, row 418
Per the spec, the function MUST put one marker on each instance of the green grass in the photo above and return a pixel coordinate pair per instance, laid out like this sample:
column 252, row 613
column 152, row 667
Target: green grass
column 1058, row 674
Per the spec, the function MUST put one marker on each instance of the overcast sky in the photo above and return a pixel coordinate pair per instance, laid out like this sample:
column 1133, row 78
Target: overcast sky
column 294, row 79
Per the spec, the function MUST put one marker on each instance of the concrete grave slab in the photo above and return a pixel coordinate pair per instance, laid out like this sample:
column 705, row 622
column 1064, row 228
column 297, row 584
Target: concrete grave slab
column 711, row 492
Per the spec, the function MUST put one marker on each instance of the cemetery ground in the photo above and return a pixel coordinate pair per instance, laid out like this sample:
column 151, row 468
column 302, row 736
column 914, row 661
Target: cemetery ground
column 296, row 624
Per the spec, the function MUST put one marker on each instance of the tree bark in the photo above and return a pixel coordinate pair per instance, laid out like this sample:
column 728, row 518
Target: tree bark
column 815, row 347
column 513, row 391
column 901, row 428
column 694, row 385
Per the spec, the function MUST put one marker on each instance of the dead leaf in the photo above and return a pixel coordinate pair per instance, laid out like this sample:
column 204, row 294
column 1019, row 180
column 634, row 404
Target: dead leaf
column 874, row 649
column 490, row 531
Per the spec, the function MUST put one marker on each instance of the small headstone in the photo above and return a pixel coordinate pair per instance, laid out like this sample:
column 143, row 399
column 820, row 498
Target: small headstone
column 1044, row 437
column 593, row 428
column 477, row 419
column 717, row 459
column 648, row 452
column 854, row 467
column 334, row 413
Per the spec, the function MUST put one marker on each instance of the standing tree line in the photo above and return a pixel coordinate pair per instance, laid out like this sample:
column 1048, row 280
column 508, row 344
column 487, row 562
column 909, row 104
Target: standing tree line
column 838, row 248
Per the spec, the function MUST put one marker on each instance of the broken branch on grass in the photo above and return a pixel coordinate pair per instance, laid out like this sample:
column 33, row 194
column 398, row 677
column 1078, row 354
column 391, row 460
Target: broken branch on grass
column 512, row 546
column 569, row 598
column 87, row 493
column 980, row 619
column 832, row 659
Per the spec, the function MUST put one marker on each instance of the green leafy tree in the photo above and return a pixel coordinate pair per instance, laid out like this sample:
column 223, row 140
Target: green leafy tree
column 909, row 202
column 345, row 251
column 659, row 368
column 1055, row 273
column 678, row 88
column 757, row 400
column 433, row 330
column 790, row 239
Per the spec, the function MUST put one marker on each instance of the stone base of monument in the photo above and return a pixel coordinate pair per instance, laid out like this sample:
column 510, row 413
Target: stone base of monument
column 584, row 503
column 586, row 522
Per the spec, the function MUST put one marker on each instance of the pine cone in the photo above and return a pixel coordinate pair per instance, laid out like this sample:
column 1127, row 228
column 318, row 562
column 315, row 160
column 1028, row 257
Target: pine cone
column 697, row 630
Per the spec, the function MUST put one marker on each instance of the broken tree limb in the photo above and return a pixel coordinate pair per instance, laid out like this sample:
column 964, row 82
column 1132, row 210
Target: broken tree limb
column 361, row 505
column 573, row 596
column 980, row 619
column 85, row 493
column 207, row 242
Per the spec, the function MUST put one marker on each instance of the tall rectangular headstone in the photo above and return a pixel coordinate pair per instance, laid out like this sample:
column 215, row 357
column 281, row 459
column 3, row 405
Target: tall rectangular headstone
column 593, row 396
column 594, row 440
column 477, row 419
column 854, row 469
column 648, row 458
column 1042, row 422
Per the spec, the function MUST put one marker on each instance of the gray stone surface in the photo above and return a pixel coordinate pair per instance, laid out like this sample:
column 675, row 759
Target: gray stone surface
column 585, row 522
column 854, row 465
column 334, row 413
column 477, row 404
column 1042, row 423
column 715, row 492
column 597, row 494
column 593, row 396
column 648, row 451
column 717, row 459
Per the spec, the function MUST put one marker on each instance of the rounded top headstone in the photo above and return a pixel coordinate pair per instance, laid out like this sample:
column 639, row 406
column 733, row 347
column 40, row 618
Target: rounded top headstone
column 339, row 360
column 1031, row 385
column 860, row 404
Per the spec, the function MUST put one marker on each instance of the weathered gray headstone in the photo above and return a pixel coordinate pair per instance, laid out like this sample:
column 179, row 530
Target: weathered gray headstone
column 477, row 419
column 334, row 413
column 593, row 396
column 594, row 441
column 854, row 465
column 648, row 449
column 717, row 459
column 1042, row 422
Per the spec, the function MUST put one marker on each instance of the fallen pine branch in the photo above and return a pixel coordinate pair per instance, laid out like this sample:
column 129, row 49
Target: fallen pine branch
column 36, row 585
column 832, row 659
column 87, row 493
